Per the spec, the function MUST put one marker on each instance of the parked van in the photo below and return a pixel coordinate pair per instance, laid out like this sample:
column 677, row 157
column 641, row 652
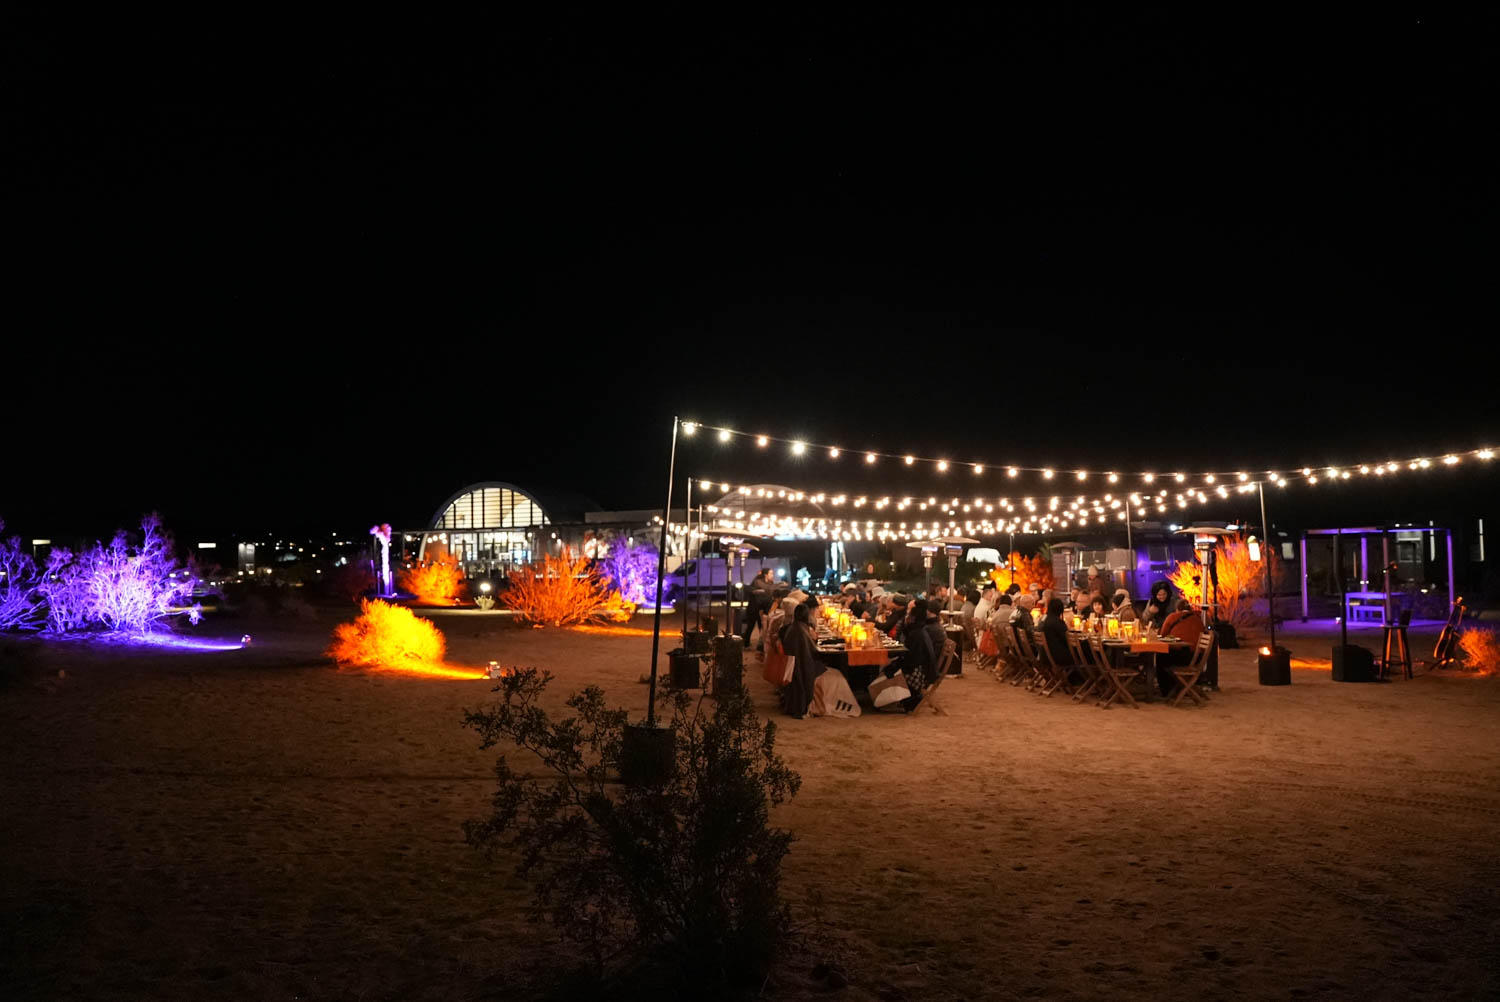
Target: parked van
column 705, row 577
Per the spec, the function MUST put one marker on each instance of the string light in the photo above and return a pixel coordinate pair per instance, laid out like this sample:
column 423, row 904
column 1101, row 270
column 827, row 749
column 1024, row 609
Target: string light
column 1305, row 473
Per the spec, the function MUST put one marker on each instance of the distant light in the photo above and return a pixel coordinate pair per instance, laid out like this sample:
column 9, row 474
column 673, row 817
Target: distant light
column 688, row 427
column 41, row 542
column 208, row 546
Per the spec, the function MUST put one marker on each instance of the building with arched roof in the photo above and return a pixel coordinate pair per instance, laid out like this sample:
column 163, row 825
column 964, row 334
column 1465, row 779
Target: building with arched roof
column 495, row 526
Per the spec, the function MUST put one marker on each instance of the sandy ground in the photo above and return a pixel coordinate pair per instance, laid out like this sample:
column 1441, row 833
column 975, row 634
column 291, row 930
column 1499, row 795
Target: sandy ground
column 254, row 824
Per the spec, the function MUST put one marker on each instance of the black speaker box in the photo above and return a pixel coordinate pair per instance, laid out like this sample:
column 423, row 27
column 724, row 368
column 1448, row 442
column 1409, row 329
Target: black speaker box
column 1353, row 664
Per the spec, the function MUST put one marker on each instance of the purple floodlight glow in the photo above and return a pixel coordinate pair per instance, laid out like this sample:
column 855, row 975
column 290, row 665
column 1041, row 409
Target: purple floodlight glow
column 174, row 641
column 632, row 569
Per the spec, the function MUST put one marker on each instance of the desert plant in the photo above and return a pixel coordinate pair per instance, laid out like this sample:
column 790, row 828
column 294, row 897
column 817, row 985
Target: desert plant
column 387, row 636
column 124, row 587
column 21, row 605
column 1030, row 573
column 691, row 868
column 1241, row 581
column 1481, row 647
column 561, row 591
column 435, row 582
column 632, row 570
column 353, row 581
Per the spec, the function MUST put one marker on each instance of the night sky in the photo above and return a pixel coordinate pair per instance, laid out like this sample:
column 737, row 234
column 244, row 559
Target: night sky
column 300, row 278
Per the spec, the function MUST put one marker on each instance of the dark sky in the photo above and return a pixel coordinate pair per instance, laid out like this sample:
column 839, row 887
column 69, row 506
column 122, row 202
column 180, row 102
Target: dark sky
column 286, row 277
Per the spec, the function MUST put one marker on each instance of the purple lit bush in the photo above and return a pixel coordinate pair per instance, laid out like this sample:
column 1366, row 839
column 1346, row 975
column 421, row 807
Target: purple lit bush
column 632, row 570
column 20, row 597
column 125, row 587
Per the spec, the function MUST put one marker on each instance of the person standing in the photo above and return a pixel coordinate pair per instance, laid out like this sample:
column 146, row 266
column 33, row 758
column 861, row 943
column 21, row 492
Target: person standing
column 759, row 602
column 798, row 641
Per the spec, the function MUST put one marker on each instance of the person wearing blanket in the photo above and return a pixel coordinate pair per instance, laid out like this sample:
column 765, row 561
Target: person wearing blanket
column 798, row 641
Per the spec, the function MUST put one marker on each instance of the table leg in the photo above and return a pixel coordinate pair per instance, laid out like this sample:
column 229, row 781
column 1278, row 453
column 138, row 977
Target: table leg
column 1150, row 658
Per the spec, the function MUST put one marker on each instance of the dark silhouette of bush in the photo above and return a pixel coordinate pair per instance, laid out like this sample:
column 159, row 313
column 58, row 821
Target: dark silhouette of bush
column 688, row 873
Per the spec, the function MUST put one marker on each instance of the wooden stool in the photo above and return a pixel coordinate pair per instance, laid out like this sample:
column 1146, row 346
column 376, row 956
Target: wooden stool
column 1396, row 647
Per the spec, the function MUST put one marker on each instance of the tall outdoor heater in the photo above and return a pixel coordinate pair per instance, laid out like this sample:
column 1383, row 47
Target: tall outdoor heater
column 954, row 547
column 929, row 547
column 729, row 650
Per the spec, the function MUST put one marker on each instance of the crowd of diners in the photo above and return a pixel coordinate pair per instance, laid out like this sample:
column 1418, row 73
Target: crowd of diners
column 916, row 622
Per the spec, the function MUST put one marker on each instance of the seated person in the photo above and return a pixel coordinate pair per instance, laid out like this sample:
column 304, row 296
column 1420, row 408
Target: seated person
column 1099, row 607
column 1021, row 619
column 1158, row 606
column 1124, row 608
column 1081, row 603
column 1186, row 625
column 1055, row 633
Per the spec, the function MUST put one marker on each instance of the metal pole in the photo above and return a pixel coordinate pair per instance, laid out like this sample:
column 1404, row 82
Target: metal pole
column 686, row 543
column 1385, row 558
column 1266, row 544
column 1304, row 577
column 661, row 572
column 1452, row 574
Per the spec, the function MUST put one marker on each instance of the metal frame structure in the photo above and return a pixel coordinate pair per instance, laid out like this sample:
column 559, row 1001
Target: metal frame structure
column 1384, row 532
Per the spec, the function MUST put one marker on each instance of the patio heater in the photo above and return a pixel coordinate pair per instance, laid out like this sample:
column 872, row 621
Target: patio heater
column 729, row 651
column 954, row 547
column 928, row 547
column 1071, row 563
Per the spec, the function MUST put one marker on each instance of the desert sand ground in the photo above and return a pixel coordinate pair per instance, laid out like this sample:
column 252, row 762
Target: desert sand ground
column 255, row 824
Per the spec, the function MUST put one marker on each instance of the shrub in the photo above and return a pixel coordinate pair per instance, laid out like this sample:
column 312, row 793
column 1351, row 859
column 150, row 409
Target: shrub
column 1030, row 573
column 1481, row 647
column 123, row 587
column 1241, row 580
column 21, row 606
column 690, row 870
column 387, row 636
column 353, row 581
column 632, row 571
column 436, row 582
column 562, row 591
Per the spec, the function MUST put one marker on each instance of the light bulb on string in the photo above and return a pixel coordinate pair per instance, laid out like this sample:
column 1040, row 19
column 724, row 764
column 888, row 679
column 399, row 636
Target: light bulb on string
column 942, row 466
column 762, row 441
column 910, row 460
column 798, row 448
column 869, row 457
column 833, row 453
column 723, row 434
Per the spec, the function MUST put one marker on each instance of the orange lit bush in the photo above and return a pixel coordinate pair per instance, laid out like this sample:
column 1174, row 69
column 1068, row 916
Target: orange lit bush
column 1030, row 573
column 1241, row 580
column 563, row 591
column 436, row 582
column 387, row 636
column 1481, row 649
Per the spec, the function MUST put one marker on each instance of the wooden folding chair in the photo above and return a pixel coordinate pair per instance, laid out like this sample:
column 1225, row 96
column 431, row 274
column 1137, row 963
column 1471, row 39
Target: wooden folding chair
column 950, row 651
column 1035, row 676
column 1118, row 675
column 1012, row 668
column 1189, row 674
column 1058, row 673
column 1092, row 677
